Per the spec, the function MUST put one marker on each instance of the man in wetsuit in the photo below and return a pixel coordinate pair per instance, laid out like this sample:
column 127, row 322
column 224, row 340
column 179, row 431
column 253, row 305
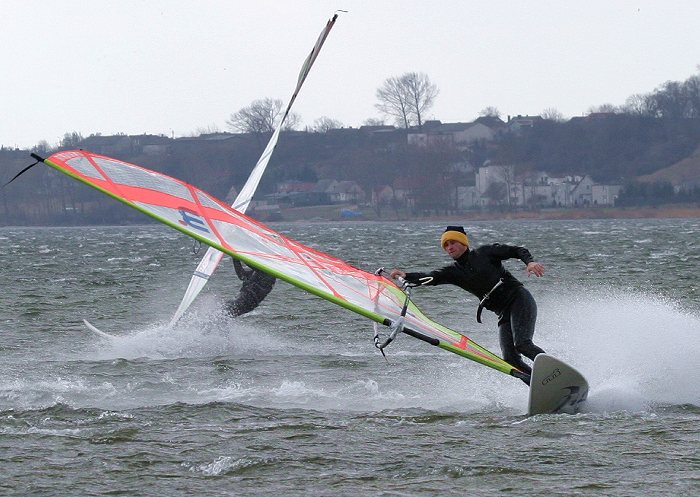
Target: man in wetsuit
column 256, row 285
column 480, row 272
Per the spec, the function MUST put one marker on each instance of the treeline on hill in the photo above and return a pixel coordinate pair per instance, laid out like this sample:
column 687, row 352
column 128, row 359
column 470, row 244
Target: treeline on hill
column 610, row 148
column 42, row 196
column 614, row 149
column 612, row 144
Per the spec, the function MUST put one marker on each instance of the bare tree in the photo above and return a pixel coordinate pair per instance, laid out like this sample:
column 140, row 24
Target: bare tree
column 604, row 109
column 392, row 101
column 692, row 91
column 261, row 116
column 71, row 140
column 421, row 94
column 206, row 130
column 552, row 114
column 490, row 112
column 43, row 147
column 292, row 122
column 639, row 105
column 497, row 192
column 323, row 124
column 509, row 181
column 407, row 98
column 671, row 100
column 373, row 121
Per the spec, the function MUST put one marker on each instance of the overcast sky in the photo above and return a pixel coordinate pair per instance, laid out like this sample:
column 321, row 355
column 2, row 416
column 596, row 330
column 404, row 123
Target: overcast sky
column 177, row 67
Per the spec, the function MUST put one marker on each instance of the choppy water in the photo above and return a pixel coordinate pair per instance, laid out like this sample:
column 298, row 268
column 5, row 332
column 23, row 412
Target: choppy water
column 294, row 400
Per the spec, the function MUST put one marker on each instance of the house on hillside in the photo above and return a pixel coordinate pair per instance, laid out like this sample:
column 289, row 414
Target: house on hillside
column 537, row 194
column 460, row 135
column 295, row 186
column 404, row 190
column 341, row 192
column 346, row 192
column 496, row 184
column 208, row 138
column 605, row 194
column 379, row 128
column 298, row 194
column 468, row 197
column 517, row 123
column 467, row 134
column 154, row 145
column 562, row 189
column 108, row 145
column 382, row 195
column 494, row 122
column 582, row 192
column 123, row 144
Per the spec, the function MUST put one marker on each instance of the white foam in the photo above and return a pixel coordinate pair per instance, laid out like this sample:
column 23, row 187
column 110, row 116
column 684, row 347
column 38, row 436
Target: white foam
column 204, row 333
column 635, row 349
column 226, row 464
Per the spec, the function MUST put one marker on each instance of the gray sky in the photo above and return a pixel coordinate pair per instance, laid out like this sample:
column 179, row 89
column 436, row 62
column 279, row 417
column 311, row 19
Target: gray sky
column 177, row 67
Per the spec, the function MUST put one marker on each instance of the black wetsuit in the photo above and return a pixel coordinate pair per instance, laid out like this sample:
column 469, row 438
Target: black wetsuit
column 478, row 271
column 256, row 285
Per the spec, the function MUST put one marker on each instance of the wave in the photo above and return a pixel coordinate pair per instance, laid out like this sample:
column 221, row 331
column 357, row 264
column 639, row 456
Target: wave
column 636, row 349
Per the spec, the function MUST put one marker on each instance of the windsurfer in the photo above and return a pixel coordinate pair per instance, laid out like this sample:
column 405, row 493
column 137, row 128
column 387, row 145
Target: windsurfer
column 480, row 272
column 256, row 285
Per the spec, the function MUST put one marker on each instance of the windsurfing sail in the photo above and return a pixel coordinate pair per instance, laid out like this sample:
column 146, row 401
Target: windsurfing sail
column 204, row 218
column 212, row 257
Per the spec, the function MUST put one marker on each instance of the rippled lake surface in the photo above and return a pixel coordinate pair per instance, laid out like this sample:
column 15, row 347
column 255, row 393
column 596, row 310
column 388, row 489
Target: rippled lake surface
column 293, row 399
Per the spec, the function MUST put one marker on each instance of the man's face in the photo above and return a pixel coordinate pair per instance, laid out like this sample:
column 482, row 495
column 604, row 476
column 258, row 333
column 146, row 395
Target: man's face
column 454, row 249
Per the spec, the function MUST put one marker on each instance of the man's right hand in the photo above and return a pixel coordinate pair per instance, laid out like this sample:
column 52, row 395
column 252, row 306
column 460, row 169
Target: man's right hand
column 397, row 273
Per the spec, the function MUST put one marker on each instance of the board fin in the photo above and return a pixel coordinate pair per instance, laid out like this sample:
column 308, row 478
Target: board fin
column 555, row 387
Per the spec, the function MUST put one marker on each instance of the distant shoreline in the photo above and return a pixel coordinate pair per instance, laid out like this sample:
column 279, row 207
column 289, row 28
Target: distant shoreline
column 328, row 213
column 662, row 212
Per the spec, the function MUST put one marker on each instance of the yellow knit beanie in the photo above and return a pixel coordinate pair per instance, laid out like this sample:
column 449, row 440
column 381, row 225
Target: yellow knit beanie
column 454, row 233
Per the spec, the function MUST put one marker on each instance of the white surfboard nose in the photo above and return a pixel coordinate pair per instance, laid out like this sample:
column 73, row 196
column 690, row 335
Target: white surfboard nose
column 555, row 387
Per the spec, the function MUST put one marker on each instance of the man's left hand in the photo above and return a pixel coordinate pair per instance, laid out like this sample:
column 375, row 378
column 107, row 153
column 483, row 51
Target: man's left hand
column 535, row 268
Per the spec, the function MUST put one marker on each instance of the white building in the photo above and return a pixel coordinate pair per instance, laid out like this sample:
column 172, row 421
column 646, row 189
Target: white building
column 582, row 193
column 468, row 197
column 605, row 194
column 489, row 174
column 456, row 134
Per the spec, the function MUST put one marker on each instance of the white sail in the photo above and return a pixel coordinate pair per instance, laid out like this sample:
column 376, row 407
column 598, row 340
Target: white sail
column 212, row 257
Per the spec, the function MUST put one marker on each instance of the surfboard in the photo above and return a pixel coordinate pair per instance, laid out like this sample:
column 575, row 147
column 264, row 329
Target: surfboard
column 555, row 387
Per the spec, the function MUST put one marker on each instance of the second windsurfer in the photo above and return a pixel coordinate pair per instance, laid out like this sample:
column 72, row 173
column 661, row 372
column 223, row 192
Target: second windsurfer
column 256, row 285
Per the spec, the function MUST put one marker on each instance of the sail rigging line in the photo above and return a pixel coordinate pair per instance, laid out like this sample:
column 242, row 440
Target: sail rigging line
column 399, row 325
column 38, row 159
column 212, row 256
column 395, row 327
